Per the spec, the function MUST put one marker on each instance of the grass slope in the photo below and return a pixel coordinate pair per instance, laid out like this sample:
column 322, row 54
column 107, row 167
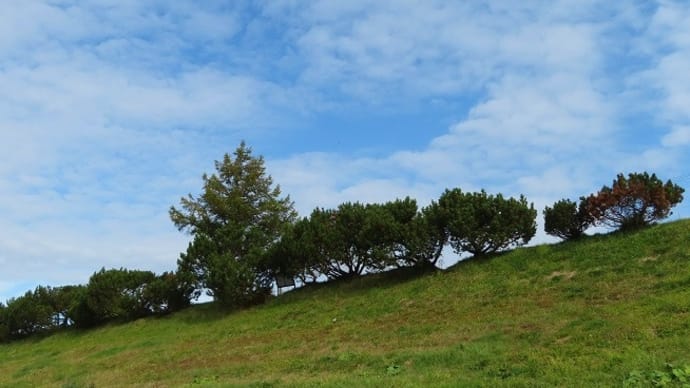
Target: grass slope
column 584, row 313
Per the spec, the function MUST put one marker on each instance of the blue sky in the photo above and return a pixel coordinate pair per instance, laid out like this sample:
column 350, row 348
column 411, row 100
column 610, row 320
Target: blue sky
column 111, row 110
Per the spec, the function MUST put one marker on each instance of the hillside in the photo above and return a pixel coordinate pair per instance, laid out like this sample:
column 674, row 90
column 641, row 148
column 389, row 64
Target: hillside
column 592, row 312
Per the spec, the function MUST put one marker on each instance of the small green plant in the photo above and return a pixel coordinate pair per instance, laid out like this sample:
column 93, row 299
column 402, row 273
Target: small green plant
column 672, row 376
column 393, row 369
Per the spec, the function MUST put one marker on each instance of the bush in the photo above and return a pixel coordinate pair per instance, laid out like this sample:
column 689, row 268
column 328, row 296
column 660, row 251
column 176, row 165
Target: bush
column 482, row 224
column 353, row 239
column 115, row 294
column 60, row 300
column 296, row 253
column 422, row 237
column 566, row 219
column 349, row 240
column 26, row 315
column 169, row 292
column 633, row 202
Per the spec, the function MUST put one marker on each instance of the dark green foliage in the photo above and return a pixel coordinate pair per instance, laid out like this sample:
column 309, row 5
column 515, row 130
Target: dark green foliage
column 115, row 294
column 38, row 311
column 481, row 224
column 26, row 315
column 422, row 237
column 296, row 254
column 356, row 238
column 60, row 300
column 238, row 216
column 169, row 292
column 124, row 295
column 350, row 239
column 4, row 325
column 566, row 219
column 634, row 201
column 80, row 312
column 237, row 283
column 112, row 295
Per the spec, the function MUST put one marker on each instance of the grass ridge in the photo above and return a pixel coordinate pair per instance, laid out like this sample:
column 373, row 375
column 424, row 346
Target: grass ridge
column 606, row 310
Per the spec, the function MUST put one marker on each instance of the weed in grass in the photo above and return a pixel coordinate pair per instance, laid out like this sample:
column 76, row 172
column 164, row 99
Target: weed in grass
column 393, row 369
column 671, row 376
column 205, row 380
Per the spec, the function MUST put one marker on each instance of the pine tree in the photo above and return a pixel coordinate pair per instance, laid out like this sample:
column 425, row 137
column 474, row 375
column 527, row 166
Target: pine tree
column 239, row 214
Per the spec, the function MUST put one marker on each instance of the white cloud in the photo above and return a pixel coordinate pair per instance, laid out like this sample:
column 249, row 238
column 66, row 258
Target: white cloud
column 679, row 136
column 667, row 41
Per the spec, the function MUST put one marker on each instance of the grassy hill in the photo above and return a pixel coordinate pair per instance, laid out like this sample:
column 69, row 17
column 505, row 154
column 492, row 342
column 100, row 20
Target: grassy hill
column 604, row 311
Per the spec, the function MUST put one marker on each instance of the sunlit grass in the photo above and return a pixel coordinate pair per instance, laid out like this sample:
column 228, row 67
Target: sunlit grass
column 583, row 313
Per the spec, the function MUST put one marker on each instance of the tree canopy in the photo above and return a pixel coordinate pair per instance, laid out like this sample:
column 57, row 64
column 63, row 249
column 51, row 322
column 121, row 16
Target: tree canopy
column 633, row 201
column 481, row 224
column 235, row 219
column 566, row 219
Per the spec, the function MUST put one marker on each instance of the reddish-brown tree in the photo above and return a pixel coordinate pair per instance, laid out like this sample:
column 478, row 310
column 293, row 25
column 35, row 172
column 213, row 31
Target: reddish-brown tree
column 633, row 201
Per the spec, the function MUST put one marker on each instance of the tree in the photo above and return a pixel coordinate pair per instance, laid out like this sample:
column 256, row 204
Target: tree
column 339, row 243
column 420, row 235
column 482, row 224
column 4, row 324
column 633, row 201
column 169, row 292
column 26, row 315
column 566, row 219
column 60, row 300
column 112, row 295
column 238, row 216
column 348, row 240
column 296, row 254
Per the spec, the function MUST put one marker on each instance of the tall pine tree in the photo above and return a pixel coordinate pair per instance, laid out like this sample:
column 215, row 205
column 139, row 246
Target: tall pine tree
column 238, row 215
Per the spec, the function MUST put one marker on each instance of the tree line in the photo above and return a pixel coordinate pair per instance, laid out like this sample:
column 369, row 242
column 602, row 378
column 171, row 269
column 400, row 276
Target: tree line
column 114, row 295
column 245, row 234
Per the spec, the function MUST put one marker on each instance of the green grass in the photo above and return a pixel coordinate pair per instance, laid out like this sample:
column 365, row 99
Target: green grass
column 603, row 311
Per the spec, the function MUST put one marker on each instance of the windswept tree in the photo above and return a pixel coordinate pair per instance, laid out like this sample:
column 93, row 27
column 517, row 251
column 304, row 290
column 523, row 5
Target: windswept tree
column 60, row 300
column 27, row 315
column 566, row 219
column 351, row 239
column 238, row 216
column 421, row 236
column 168, row 292
column 112, row 295
column 482, row 224
column 633, row 201
column 356, row 238
column 344, row 242
column 298, row 253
